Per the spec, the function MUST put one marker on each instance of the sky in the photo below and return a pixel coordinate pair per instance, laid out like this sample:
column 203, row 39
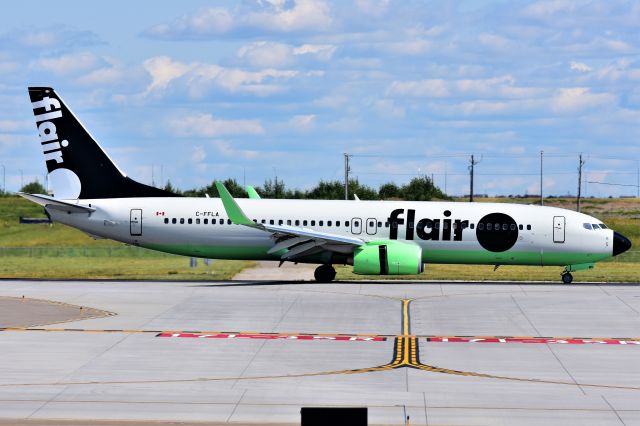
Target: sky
column 202, row 90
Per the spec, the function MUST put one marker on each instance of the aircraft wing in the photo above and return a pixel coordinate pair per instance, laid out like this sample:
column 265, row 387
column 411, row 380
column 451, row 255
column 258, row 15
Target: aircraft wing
column 298, row 241
column 54, row 204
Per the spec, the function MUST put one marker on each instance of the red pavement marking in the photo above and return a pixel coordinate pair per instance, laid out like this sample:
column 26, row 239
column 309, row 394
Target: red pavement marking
column 566, row 341
column 274, row 336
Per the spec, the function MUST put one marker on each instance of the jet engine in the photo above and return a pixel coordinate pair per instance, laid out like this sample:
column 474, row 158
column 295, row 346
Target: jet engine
column 388, row 258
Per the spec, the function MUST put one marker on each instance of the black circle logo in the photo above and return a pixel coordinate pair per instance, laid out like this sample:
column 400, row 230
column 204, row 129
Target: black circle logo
column 497, row 232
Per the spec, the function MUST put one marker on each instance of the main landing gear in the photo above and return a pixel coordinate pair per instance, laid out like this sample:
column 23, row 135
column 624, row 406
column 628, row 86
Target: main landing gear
column 324, row 273
column 567, row 278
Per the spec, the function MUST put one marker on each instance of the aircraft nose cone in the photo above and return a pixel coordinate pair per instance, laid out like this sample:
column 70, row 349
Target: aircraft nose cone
column 620, row 244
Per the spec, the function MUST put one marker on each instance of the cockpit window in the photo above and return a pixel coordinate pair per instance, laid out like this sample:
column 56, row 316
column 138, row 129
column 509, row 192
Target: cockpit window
column 595, row 226
column 587, row 226
column 603, row 226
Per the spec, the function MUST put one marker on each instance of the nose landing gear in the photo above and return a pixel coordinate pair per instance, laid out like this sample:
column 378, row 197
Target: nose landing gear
column 324, row 273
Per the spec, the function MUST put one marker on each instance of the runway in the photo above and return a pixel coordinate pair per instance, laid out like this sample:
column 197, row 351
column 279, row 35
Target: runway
column 258, row 351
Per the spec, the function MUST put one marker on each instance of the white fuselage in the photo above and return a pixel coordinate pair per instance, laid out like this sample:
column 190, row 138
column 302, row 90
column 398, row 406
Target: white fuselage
column 448, row 232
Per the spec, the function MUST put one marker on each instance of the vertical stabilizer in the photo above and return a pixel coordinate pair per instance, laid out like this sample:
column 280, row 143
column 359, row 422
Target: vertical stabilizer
column 78, row 167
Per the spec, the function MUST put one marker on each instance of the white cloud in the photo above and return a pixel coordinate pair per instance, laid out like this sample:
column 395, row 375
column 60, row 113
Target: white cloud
column 277, row 55
column 270, row 16
column 433, row 88
column 302, row 122
column 546, row 8
column 579, row 66
column 502, row 86
column 68, row 64
column 579, row 98
column 494, row 41
column 386, row 108
column 267, row 54
column 303, row 15
column 198, row 154
column 227, row 150
column 205, row 125
column 199, row 77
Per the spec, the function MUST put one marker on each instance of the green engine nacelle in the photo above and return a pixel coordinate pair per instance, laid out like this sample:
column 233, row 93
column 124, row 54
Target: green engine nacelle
column 388, row 258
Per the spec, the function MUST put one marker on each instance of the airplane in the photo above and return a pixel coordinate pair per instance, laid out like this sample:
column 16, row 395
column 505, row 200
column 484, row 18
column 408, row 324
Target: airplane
column 92, row 194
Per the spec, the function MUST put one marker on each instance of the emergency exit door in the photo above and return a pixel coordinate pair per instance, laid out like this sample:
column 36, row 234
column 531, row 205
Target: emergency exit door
column 136, row 222
column 558, row 229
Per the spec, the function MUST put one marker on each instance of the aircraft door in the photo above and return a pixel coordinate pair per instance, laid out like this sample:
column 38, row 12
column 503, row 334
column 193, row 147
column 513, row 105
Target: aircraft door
column 558, row 229
column 372, row 226
column 356, row 225
column 136, row 222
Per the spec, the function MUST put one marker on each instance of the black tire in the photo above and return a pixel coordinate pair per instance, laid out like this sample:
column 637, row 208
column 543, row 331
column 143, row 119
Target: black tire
column 324, row 273
column 567, row 278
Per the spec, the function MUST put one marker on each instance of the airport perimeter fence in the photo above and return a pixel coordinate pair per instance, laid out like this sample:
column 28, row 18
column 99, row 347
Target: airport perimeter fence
column 632, row 256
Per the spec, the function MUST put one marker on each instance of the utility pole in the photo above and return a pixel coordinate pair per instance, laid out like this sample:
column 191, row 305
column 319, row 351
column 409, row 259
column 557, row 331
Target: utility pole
column 162, row 185
column 153, row 178
column 346, row 176
column 4, row 186
column 472, row 163
column 21, row 180
column 580, row 164
column 541, row 197
column 638, row 178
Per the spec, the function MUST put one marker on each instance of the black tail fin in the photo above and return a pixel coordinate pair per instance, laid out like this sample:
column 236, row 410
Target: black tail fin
column 77, row 165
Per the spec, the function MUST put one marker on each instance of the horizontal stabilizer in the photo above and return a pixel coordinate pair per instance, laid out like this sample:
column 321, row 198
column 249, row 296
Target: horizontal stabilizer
column 53, row 204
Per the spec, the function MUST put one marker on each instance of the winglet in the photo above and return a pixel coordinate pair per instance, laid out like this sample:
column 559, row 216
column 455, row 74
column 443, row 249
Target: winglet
column 252, row 193
column 232, row 208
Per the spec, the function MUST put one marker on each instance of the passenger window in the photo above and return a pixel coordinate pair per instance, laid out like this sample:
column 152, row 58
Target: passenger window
column 328, row 223
column 489, row 226
column 346, row 223
column 497, row 227
column 197, row 221
column 371, row 224
column 386, row 224
column 437, row 225
column 337, row 223
column 270, row 221
column 313, row 223
column 528, row 227
column 379, row 224
column 173, row 221
column 205, row 221
column 297, row 223
column 513, row 226
column 520, row 227
column 304, row 223
column 228, row 221
column 288, row 221
column 505, row 227
column 166, row 220
column 263, row 221
column 221, row 221
column 320, row 223
column 473, row 226
column 481, row 226
column 280, row 222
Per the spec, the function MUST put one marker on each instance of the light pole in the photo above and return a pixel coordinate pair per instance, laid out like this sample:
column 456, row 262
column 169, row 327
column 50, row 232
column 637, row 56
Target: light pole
column 541, row 198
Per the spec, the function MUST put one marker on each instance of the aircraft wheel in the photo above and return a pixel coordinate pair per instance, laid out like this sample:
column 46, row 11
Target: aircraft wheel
column 567, row 278
column 324, row 273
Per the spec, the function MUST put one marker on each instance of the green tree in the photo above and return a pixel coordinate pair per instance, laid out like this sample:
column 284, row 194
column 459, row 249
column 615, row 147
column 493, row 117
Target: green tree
column 170, row 188
column 388, row 191
column 421, row 189
column 34, row 187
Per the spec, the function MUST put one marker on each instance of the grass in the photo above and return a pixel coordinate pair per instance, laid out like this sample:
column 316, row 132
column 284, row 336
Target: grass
column 158, row 267
column 57, row 251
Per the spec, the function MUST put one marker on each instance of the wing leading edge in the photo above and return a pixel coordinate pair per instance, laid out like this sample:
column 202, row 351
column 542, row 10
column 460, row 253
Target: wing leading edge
column 298, row 242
